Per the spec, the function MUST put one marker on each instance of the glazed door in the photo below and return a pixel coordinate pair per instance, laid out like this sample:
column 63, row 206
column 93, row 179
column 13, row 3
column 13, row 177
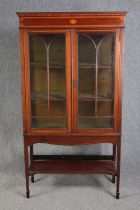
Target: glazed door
column 49, row 83
column 94, row 89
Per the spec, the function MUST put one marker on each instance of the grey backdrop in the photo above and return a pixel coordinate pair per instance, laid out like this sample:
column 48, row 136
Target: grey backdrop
column 11, row 144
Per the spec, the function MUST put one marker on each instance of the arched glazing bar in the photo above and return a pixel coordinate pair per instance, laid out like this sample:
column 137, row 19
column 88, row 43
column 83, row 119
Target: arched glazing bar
column 48, row 67
column 86, row 85
column 108, row 42
column 34, row 44
column 88, row 37
column 45, row 46
column 103, row 59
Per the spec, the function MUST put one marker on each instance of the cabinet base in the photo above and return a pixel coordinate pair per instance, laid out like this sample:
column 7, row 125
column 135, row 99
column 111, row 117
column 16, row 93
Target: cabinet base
column 72, row 164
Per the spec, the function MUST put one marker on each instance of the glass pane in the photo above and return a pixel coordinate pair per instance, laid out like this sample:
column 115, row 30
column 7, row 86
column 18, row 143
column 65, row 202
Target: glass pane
column 105, row 108
column 55, row 123
column 89, row 123
column 86, row 108
column 105, row 83
column 95, row 80
column 105, row 50
column 48, row 80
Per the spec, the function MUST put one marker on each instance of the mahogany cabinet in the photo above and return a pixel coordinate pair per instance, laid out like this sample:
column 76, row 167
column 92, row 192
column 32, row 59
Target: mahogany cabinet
column 71, row 75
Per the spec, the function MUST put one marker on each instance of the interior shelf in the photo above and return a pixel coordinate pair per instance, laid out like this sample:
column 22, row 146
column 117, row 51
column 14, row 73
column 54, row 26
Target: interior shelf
column 89, row 66
column 51, row 65
column 94, row 98
column 63, row 116
column 61, row 96
column 53, row 96
column 48, row 116
column 95, row 117
column 62, row 65
column 91, row 97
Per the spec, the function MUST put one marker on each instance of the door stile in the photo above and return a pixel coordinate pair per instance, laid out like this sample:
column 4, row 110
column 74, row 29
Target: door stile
column 68, row 79
column 74, row 79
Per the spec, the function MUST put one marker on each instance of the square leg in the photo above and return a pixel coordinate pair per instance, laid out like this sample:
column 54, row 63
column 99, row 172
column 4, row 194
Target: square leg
column 26, row 161
column 118, row 171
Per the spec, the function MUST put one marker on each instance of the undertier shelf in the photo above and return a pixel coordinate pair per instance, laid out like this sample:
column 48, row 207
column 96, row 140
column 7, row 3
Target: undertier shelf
column 72, row 165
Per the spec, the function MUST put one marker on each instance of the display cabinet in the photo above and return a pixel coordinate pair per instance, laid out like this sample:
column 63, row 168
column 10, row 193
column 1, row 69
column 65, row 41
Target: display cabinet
column 71, row 75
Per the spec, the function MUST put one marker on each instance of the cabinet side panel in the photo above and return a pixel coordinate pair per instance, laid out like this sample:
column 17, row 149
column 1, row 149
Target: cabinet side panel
column 121, row 77
column 117, row 98
column 23, row 93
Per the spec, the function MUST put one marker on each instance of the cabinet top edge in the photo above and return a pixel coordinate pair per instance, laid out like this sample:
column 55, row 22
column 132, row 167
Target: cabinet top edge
column 59, row 14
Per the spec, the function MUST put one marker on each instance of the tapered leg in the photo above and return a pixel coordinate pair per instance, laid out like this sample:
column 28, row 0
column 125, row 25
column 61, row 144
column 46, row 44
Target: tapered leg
column 118, row 170
column 114, row 158
column 113, row 179
column 31, row 153
column 31, row 159
column 26, row 161
column 32, row 179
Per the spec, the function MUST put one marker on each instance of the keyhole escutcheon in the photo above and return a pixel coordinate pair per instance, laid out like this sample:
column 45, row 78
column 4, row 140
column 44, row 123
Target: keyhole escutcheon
column 74, row 83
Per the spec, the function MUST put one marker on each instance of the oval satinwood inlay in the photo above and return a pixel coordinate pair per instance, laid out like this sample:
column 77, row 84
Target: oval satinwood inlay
column 73, row 21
